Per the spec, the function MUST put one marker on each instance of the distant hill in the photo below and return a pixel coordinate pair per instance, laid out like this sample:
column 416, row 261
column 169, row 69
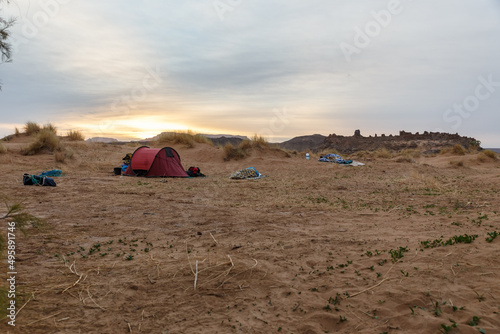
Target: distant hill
column 224, row 136
column 427, row 142
column 304, row 143
column 102, row 140
column 222, row 140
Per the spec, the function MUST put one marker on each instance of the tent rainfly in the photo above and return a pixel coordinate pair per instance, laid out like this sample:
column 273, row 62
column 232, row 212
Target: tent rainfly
column 155, row 162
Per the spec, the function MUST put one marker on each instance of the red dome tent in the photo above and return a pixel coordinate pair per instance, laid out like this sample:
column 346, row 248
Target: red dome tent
column 155, row 162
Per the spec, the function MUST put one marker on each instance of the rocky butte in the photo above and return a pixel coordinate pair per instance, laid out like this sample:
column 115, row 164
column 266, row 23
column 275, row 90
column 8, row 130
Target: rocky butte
column 427, row 142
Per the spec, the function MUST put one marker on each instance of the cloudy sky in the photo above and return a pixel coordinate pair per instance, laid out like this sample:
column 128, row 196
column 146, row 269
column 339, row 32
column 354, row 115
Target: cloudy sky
column 282, row 68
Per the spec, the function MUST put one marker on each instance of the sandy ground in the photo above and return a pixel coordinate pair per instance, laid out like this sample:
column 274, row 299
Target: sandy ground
column 313, row 248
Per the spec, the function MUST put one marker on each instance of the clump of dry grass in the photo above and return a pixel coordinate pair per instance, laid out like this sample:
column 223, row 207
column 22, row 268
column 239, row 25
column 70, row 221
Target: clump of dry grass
column 16, row 132
column 50, row 127
column 62, row 154
column 458, row 150
column 405, row 158
column 243, row 149
column 408, row 155
column 175, row 138
column 75, row 135
column 3, row 149
column 185, row 138
column 455, row 150
column 487, row 155
column 457, row 163
column 231, row 152
column 258, row 141
column 382, row 153
column 45, row 140
column 202, row 140
column 363, row 154
column 31, row 128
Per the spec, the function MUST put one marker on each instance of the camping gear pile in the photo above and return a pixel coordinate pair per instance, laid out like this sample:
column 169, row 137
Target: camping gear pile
column 43, row 179
column 249, row 173
column 332, row 157
column 335, row 158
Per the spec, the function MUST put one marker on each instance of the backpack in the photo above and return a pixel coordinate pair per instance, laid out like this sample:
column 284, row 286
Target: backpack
column 194, row 172
column 127, row 158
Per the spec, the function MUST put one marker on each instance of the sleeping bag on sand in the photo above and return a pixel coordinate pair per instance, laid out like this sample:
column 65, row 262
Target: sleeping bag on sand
column 36, row 180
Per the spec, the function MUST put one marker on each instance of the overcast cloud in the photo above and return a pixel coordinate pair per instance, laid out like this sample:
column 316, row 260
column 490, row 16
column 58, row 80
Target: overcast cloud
column 282, row 68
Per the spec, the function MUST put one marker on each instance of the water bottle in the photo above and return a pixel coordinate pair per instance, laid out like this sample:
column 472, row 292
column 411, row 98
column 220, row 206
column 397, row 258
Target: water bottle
column 307, row 156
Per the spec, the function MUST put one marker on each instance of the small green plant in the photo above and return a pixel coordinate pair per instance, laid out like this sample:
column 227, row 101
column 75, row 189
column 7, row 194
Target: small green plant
column 474, row 321
column 334, row 301
column 448, row 328
column 129, row 257
column 396, row 255
column 467, row 239
column 342, row 318
column 437, row 309
column 480, row 297
column 492, row 236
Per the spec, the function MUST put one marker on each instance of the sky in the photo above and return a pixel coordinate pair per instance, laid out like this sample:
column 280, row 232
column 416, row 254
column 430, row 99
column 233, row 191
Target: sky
column 284, row 68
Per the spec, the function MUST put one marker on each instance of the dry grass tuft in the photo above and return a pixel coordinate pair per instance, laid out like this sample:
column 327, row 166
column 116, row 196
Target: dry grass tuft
column 457, row 163
column 487, row 155
column 62, row 154
column 490, row 154
column 458, row 150
column 45, row 140
column 243, row 149
column 184, row 138
column 259, row 142
column 202, row 140
column 233, row 153
column 405, row 158
column 31, row 128
column 382, row 153
column 75, row 135
column 50, row 127
column 16, row 132
column 174, row 138
column 3, row 149
column 455, row 150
